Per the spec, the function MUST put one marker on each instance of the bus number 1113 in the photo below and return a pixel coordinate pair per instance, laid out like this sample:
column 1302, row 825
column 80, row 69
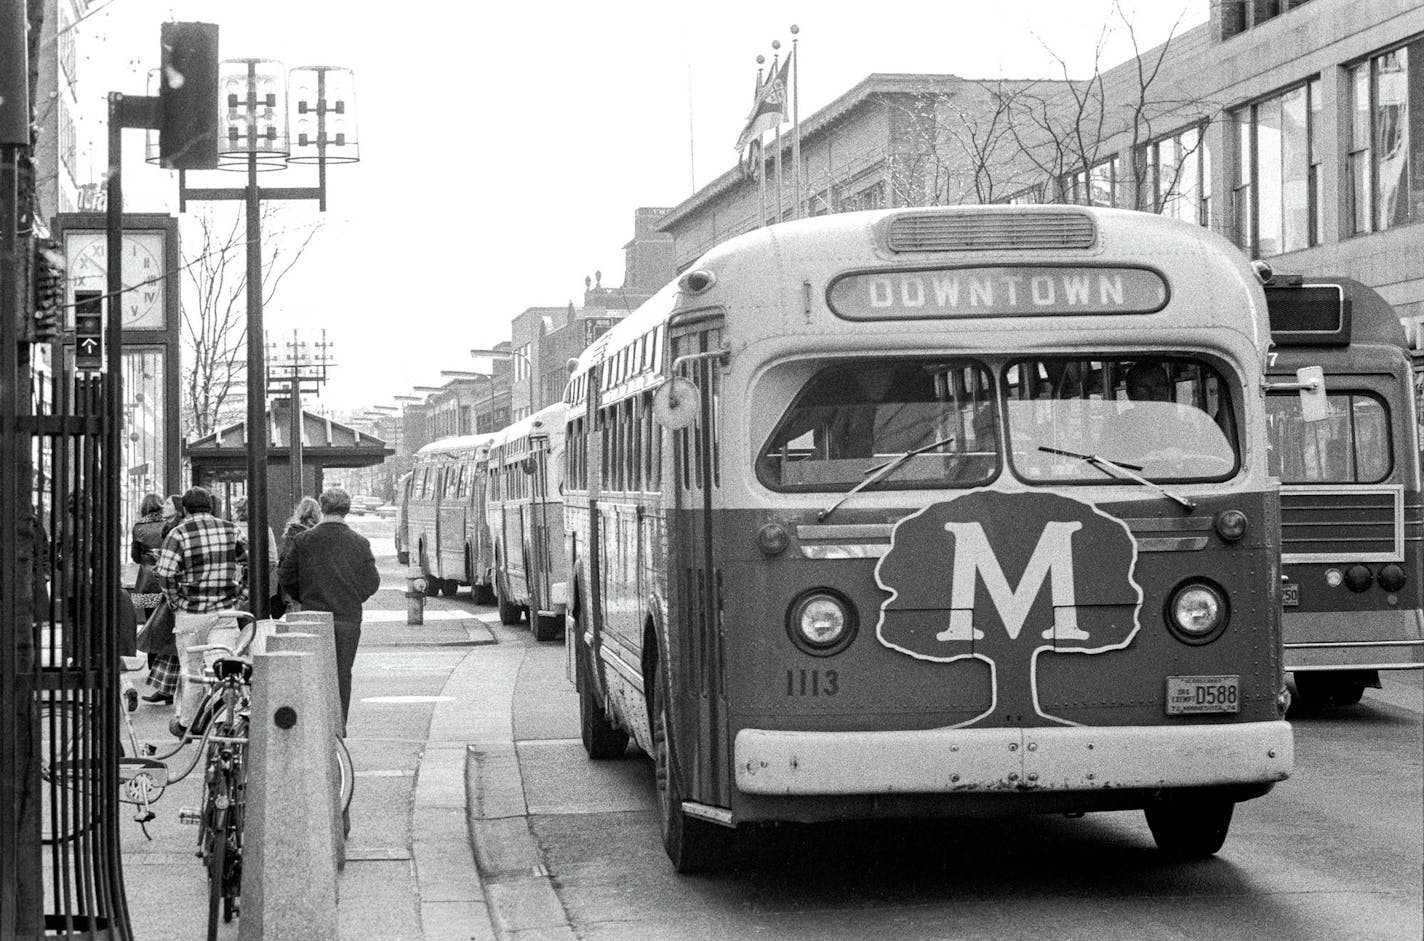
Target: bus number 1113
column 812, row 683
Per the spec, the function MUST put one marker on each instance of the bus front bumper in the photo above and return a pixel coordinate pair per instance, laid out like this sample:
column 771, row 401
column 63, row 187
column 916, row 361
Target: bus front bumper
column 1072, row 758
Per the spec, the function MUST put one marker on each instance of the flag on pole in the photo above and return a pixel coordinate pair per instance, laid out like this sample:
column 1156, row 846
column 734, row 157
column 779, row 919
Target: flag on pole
column 769, row 108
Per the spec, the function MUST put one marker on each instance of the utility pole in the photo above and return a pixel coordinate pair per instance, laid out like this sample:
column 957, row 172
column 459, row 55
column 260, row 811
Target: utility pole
column 298, row 370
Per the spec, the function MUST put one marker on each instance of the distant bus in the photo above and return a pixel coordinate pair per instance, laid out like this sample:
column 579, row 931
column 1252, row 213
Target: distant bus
column 444, row 517
column 937, row 511
column 526, row 521
column 1351, row 516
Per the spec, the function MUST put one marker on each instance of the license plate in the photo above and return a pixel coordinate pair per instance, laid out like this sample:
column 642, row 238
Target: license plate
column 1193, row 695
column 1290, row 595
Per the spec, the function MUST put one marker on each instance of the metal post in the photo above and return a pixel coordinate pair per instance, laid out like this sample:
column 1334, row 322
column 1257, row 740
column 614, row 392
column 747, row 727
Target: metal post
column 256, row 403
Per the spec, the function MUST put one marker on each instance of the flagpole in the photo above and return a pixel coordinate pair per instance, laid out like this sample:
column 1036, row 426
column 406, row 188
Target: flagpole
column 761, row 158
column 691, row 136
column 796, row 120
column 776, row 46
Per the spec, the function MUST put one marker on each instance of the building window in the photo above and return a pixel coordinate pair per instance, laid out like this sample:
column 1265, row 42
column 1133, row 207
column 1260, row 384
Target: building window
column 1385, row 165
column 521, row 363
column 1179, row 176
column 1099, row 185
column 872, row 197
column 1278, row 171
column 1028, row 196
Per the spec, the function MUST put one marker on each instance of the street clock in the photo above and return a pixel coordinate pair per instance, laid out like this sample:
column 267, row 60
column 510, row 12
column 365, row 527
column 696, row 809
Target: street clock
column 143, row 273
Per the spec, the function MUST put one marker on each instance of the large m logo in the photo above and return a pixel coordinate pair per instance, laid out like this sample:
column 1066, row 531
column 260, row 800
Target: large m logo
column 968, row 576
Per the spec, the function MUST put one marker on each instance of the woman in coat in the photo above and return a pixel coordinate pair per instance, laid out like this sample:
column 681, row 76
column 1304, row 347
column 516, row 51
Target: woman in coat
column 146, row 539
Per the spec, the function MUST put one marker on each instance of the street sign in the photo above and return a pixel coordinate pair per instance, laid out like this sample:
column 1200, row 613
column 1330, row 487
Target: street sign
column 88, row 330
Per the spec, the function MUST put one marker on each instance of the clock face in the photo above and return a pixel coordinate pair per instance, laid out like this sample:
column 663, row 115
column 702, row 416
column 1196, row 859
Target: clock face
column 144, row 298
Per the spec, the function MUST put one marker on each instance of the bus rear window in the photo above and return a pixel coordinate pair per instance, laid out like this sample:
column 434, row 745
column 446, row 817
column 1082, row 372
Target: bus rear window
column 851, row 417
column 1163, row 418
column 1352, row 446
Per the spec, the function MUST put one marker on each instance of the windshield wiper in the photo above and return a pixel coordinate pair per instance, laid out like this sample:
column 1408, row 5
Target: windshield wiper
column 880, row 472
column 1124, row 471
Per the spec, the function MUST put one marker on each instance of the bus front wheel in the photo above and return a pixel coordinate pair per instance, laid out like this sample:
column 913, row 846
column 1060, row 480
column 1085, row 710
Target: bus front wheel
column 601, row 738
column 692, row 845
column 545, row 626
column 1321, row 688
column 1189, row 826
column 508, row 612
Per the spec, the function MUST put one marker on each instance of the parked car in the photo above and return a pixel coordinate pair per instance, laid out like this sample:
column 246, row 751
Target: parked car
column 387, row 511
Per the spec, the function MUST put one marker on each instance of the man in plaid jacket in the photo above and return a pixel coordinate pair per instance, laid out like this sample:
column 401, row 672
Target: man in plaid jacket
column 199, row 572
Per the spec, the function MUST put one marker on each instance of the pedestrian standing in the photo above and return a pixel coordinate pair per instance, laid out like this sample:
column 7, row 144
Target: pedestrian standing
column 305, row 515
column 146, row 538
column 198, row 571
column 330, row 568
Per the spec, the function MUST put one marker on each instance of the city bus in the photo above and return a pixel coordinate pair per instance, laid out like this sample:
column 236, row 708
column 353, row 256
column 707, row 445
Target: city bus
column 526, row 521
column 444, row 516
column 1350, row 506
column 925, row 512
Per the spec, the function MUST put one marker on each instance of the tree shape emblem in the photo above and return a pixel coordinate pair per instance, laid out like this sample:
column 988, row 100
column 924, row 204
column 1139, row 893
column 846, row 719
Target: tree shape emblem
column 1006, row 577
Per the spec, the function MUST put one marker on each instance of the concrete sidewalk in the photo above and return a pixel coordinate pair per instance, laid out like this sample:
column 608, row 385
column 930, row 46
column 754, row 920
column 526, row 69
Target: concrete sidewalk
column 410, row 871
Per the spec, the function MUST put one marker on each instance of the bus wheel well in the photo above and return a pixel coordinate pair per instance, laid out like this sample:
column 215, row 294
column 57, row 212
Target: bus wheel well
column 651, row 660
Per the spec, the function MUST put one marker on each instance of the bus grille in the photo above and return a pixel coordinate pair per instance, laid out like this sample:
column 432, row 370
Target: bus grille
column 1337, row 524
column 980, row 231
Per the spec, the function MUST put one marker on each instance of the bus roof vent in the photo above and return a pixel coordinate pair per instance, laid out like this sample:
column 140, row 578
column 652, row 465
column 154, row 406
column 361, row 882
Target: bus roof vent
column 990, row 230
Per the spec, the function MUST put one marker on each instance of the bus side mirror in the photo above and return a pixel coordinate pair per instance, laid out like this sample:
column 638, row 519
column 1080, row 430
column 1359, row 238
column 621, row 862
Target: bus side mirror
column 1310, row 381
column 1313, row 406
column 675, row 403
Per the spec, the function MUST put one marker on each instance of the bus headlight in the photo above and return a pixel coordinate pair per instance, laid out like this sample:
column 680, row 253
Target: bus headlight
column 1197, row 612
column 821, row 622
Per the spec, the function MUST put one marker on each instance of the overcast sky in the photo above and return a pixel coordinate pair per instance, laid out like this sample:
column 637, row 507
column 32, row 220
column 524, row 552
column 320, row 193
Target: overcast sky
column 505, row 146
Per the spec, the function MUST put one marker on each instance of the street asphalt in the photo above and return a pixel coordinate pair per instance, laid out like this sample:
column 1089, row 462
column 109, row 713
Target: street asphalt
column 447, row 806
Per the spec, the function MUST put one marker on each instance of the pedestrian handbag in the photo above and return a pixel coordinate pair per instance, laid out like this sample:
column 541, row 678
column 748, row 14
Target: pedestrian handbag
column 156, row 635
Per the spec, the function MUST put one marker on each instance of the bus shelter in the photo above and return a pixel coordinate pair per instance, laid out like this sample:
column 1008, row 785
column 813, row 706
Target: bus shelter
column 219, row 459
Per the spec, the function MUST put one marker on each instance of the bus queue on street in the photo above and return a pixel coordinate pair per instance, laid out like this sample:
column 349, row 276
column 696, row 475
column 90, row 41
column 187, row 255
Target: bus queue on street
column 954, row 511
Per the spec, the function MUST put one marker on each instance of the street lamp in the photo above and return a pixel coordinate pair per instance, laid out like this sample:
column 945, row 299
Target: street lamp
column 502, row 354
column 253, row 135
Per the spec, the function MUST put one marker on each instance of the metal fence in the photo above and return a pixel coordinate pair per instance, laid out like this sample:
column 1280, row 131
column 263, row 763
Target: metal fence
column 60, row 861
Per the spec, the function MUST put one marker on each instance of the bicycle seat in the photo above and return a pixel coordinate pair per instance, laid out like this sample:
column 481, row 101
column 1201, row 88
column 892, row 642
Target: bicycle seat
column 233, row 667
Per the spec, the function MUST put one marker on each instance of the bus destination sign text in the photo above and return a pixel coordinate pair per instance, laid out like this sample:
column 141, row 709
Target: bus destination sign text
column 996, row 291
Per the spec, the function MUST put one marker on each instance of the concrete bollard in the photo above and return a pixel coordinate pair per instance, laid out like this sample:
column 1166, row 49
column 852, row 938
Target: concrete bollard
column 261, row 632
column 294, row 642
column 322, row 624
column 288, row 873
column 414, row 595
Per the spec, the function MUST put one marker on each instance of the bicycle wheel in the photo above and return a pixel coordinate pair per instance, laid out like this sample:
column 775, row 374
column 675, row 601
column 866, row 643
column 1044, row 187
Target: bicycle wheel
column 217, row 859
column 237, row 815
column 348, row 774
column 69, row 788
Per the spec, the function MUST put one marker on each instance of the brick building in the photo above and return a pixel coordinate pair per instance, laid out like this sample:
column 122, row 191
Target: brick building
column 1293, row 127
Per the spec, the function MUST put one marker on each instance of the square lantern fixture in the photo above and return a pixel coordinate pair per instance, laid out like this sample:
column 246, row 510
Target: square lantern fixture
column 323, row 115
column 253, row 114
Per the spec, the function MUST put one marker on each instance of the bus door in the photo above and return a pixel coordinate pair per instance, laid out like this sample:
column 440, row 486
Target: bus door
column 591, row 566
column 697, row 687
column 537, row 527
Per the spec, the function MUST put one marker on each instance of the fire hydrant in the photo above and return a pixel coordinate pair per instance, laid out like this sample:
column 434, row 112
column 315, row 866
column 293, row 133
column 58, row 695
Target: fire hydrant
column 414, row 594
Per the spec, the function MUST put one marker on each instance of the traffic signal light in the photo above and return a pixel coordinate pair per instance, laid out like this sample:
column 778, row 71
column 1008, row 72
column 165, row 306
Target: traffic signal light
column 188, row 104
column 88, row 329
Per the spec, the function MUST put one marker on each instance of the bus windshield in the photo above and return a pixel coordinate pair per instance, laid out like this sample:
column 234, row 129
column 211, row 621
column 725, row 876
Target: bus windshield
column 1166, row 419
column 1351, row 446
column 850, row 418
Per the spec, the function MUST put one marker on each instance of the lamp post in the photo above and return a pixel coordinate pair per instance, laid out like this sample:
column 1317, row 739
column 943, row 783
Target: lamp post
column 254, row 136
column 466, row 374
column 512, row 354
